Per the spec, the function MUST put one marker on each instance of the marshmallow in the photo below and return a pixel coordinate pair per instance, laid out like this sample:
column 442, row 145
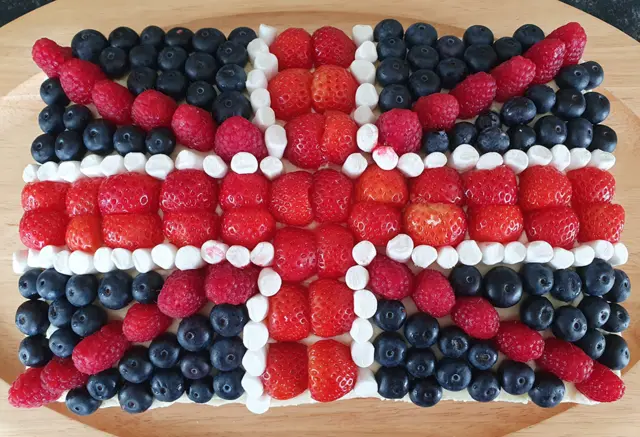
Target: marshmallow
column 361, row 33
column 561, row 157
column 269, row 282
column 268, row 63
column 69, row 171
column 514, row 253
column 367, row 137
column 492, row 253
column 252, row 385
column 33, row 258
column 354, row 165
column 48, row 256
column 215, row 167
column 602, row 249
column 447, row 257
column 189, row 258
column 363, row 115
column 357, row 277
column 367, row 52
column 361, row 330
column 81, row 263
column 267, row 33
column 411, row 165
column 366, row 95
column 256, row 79
column 489, row 161
column 260, row 98
column 244, row 163
column 385, row 157
column 262, row 254
column 363, row 253
column 364, row 72
column 516, row 160
column 562, row 258
column 469, row 253
column 90, row 166
column 579, row 158
column 539, row 155
column 257, row 307
column 142, row 260
column 48, row 172
column 256, row 46
column 602, row 160
column 102, row 260
column 264, row 118
column 213, row 252
column 188, row 159
column 258, row 405
column 19, row 261
column 275, row 138
column 30, row 173
column 620, row 255
column 399, row 248
column 238, row 256
column 164, row 255
column 255, row 335
column 271, row 167
column 435, row 160
column 423, row 256
column 583, row 256
column 135, row 162
column 159, row 166
column 112, row 165
column 538, row 252
column 255, row 361
column 464, row 157
column 362, row 353
column 122, row 258
column 365, row 304
column 61, row 263
column 366, row 385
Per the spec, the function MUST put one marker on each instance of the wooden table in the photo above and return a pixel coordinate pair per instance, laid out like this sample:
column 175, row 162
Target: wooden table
column 19, row 83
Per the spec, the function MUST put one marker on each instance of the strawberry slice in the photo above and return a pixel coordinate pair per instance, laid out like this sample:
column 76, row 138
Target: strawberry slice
column 295, row 257
column 82, row 197
column 490, row 187
column 543, row 186
column 289, row 316
column 335, row 246
column 293, row 48
column 84, row 233
column 384, row 186
column 331, row 46
column 332, row 372
column 247, row 226
column 132, row 231
column 190, row 228
column 331, row 305
column 435, row 224
column 43, row 228
column 129, row 193
column 304, row 141
column 286, row 374
column 591, row 185
column 557, row 226
column 331, row 196
column 495, row 223
column 333, row 88
column 339, row 137
column 437, row 185
column 44, row 195
column 601, row 222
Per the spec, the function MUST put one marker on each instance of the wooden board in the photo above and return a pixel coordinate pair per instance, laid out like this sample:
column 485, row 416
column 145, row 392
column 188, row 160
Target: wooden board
column 19, row 84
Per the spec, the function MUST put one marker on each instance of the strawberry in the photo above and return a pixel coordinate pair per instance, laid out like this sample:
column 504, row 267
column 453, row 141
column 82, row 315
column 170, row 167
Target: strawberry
column 101, row 350
column 437, row 185
column 295, row 257
column 194, row 127
column 332, row 372
column 188, row 190
column 144, row 322
column 77, row 78
column 293, row 48
column 557, row 226
column 490, row 187
column 543, row 186
column 82, row 197
column 519, row 342
column 475, row 94
column 84, row 233
column 286, row 373
column 495, row 223
column 565, row 360
column 291, row 198
column 476, row 316
column 591, row 185
column 602, row 385
column 304, row 141
column 237, row 134
column 225, row 283
column 289, row 316
column 548, row 55
column 333, row 88
column 42, row 228
column 334, row 247
column 113, row 101
column 339, row 137
column 247, row 226
column 331, row 306
column 132, row 231
column 44, row 195
column 129, row 193
column 513, row 77
column 190, row 228
column 437, row 111
column 238, row 190
column 331, row 46
column 399, row 129
column 575, row 39
column 433, row 294
column 49, row 56
column 28, row 391
column 384, row 186
column 435, row 224
column 390, row 279
column 375, row 222
column 601, row 222
column 60, row 375
column 290, row 92
column 331, row 196
column 152, row 109
column 182, row 294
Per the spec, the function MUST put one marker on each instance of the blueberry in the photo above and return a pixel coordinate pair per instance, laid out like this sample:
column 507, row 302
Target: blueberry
column 179, row 36
column 462, row 133
column 393, row 382
column 566, row 285
column 242, row 35
column 436, row 141
column 598, row 107
column 618, row 320
column 201, row 66
column 426, row 392
column 164, row 350
column 172, row 58
column 134, row 366
column 141, row 79
column 114, row 62
column 592, row 343
column 207, row 40
column 129, row 139
column 391, row 47
column 60, row 312
column 387, row 28
column 537, row 312
column 596, row 74
column 596, row 310
column 135, row 398
column 420, row 362
column 230, row 52
column 51, row 92
column 88, row 319
column 537, row 279
column 200, row 391
column 124, row 38
column 573, row 76
column 146, row 287
column 420, row 34
column 390, row 315
column 466, row 280
column 515, row 378
column 480, row 57
column 518, row 111
column 34, row 351
column 453, row 342
column 487, row 119
column 423, row 83
column 506, row 48
column 50, row 119
column 77, row 117
column 452, row 71
column 604, row 138
column 152, row 35
column 477, row 34
column 542, row 96
column 43, row 149
column 492, row 139
column 484, row 386
column 453, row 374
column 160, row 141
column 421, row 330
column 598, row 277
column 51, row 284
column 569, row 323
column 503, row 287
column 621, row 287
column 195, row 333
column 482, row 355
column 228, row 385
column 547, row 391
column 394, row 96
column 390, row 349
column 616, row 354
column 114, row 291
column 227, row 353
column 69, row 146
column 27, row 284
column 527, row 35
column 104, row 385
column 79, row 402
column 228, row 320
column 521, row 137
column 143, row 56
column 423, row 57
column 550, row 130
column 63, row 341
column 98, row 136
column 172, row 83
column 201, row 94
column 570, row 104
column 450, row 46
column 230, row 104
column 579, row 133
column 392, row 71
column 195, row 365
column 167, row 385
column 87, row 45
column 231, row 78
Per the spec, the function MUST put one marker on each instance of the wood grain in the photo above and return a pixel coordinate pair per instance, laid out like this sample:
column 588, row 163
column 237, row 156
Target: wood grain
column 19, row 83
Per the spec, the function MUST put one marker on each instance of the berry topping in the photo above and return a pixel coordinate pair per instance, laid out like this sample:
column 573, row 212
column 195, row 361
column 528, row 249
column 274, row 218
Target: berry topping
column 519, row 342
column 289, row 317
column 287, row 372
column 433, row 293
column 290, row 92
column 437, row 111
column 331, row 46
column 237, row 134
column 182, row 294
column 331, row 306
column 293, row 48
column 400, row 129
column 332, row 372
column 475, row 94
column 390, row 279
column 476, row 316
column 435, row 224
column 291, row 198
column 383, row 186
column 565, row 360
column 295, row 256
column 225, row 283
column 194, row 127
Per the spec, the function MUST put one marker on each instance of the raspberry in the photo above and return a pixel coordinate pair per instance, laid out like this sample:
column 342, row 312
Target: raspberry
column 335, row 245
column 575, row 39
column 84, row 233
column 519, row 342
column 591, row 185
column 247, row 226
column 152, row 109
column 332, row 46
column 339, row 137
column 293, row 48
column 437, row 111
column 332, row 372
column 60, row 375
column 291, row 198
column 225, row 283
column 237, row 134
column 331, row 196
column 27, row 391
column 77, row 78
column 194, row 127
column 49, row 56
column 113, row 101
column 513, row 77
column 44, row 195
column 129, row 193
column 295, row 256
column 399, row 129
column 100, row 350
column 290, row 92
column 384, row 186
column 331, row 305
column 144, row 322
column 557, row 226
column 82, row 197
column 543, row 186
column 188, row 190
column 601, row 222
column 390, row 279
column 333, row 88
column 190, row 228
column 433, row 294
column 435, row 224
column 304, row 141
column 602, row 385
column 182, row 294
column 498, row 186
column 42, row 228
column 437, row 185
column 289, row 317
column 239, row 190
column 476, row 316
column 548, row 55
column 132, row 231
column 565, row 360
column 375, row 222
column 475, row 94
column 286, row 373
column 495, row 223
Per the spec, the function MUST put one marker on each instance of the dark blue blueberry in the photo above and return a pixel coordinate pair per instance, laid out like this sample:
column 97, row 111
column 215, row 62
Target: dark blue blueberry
column 527, row 35
column 393, row 382
column 484, row 386
column 435, row 141
column 477, row 34
column 616, row 354
column 453, row 374
column 621, row 287
column 88, row 319
column 480, row 57
column 466, row 280
column 201, row 94
column 80, row 402
column 51, row 92
column 487, row 120
column 134, row 366
column 462, row 133
column 596, row 74
column 167, row 385
column 124, row 38
column 172, row 58
column 421, row 330
column 618, row 320
column 515, row 378
column 63, row 341
column 60, row 312
column 43, row 149
column 521, row 137
column 27, row 284
column 390, row 349
column 195, row 333
column 152, row 35
column 34, row 351
column 420, row 362
column 195, row 365
column 547, row 391
column 420, row 34
column 98, row 136
column 572, row 76
column 503, row 287
column 566, row 285
column 598, row 107
column 179, row 36
column 69, row 146
column 201, row 66
column 208, row 40
column 492, row 139
column 144, row 55
column 392, row 71
column 453, row 342
column 536, row 312
column 228, row 385
column 50, row 119
column 160, row 141
column 231, row 77
column 394, row 96
column 135, row 398
column 391, row 47
column 598, row 277
column 518, row 110
column 114, row 291
column 390, row 315
column 230, row 104
column 542, row 96
column 569, row 323
column 129, row 139
column 172, row 83
column 164, row 350
column 570, row 104
column 200, row 391
column 579, row 133
column 506, row 48
column 228, row 320
column 592, row 343
column 104, row 385
column 141, row 79
column 230, row 52
column 387, row 28
column 87, row 45
column 51, row 284
column 550, row 130
column 426, row 392
column 242, row 35
column 596, row 310
column 77, row 117
column 452, row 71
column 482, row 355
column 146, row 287
column 604, row 138
column 227, row 353
column 424, row 82
column 450, row 46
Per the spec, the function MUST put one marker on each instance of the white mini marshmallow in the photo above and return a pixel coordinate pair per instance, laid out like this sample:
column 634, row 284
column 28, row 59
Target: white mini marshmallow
column 579, row 158
column 30, row 173
column 271, row 167
column 366, row 95
column 354, row 165
column 135, row 162
column 365, row 304
column 411, row 165
column 464, row 157
column 252, row 385
column 385, row 157
column 602, row 249
column 367, row 137
column 516, row 160
column 423, row 256
column 112, row 165
column 602, row 160
column 90, row 166
column 489, row 161
column 399, row 248
column 267, row 33
column 262, row 254
column 257, row 307
column 189, row 160
column 539, row 155
column 363, row 72
column 69, row 171
column 561, row 157
column 264, row 118
column 256, row 79
column 19, row 261
column 142, row 260
column 48, row 256
column 469, row 253
column 258, row 405
column 366, row 385
column 260, row 98
column 61, row 263
column 562, row 258
column 255, row 361
column 620, row 255
column 269, row 282
column 363, row 253
column 81, row 263
column 357, row 277
column 361, row 330
column 266, row 62
column 447, row 257
column 256, row 46
column 215, row 167
column 361, row 33
column 363, row 115
column 514, row 252
column 367, row 52
column 213, row 252
column 435, row 160
column 122, row 258
column 164, row 255
column 275, row 138
column 583, row 256
column 238, row 256
column 362, row 353
column 33, row 258
column 244, row 163
column 48, row 172
column 102, row 260
column 492, row 253
column 189, row 258
column 255, row 335
column 159, row 166
column 538, row 252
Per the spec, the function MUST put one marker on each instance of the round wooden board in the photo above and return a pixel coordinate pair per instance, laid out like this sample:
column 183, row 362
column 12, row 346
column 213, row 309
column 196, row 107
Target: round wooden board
column 19, row 84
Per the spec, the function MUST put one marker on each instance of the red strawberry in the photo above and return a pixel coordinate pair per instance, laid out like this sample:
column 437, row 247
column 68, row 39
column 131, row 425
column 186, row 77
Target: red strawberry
column 331, row 196
column 437, row 111
column 194, row 127
column 27, row 391
column 295, row 256
column 331, row 305
column 475, row 94
column 82, row 197
column 291, row 198
column 339, row 137
column 519, row 342
column 335, row 245
column 286, row 374
column 602, row 385
column 190, row 228
column 548, row 55
column 60, row 375
column 495, row 223
column 42, row 228
column 238, row 190
column 188, row 190
column 384, row 186
column 77, row 78
column 601, row 222
column 247, row 226
column 390, row 279
column 132, row 193
column 144, row 322
column 332, row 372
column 437, row 185
column 44, row 195
column 84, row 233
column 557, row 226
column 575, row 39
column 476, row 316
column 225, row 283
column 49, row 56
column 565, row 360
column 543, row 186
column 289, row 317
column 375, row 222
column 490, row 187
column 304, row 141
column 132, row 231
column 400, row 129
column 152, row 109
column 591, row 185
column 113, row 101
column 290, row 92
column 182, row 294
column 101, row 350
column 433, row 293
column 513, row 77
column 435, row 224
column 237, row 134
column 331, row 46
column 333, row 88
column 293, row 48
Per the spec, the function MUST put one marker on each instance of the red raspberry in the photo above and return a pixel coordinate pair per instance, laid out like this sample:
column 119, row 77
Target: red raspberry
column 495, row 223
column 44, row 195
column 295, row 256
column 82, row 197
column 293, row 48
column 190, row 228
column 557, row 226
column 290, row 92
column 476, row 316
column 399, row 129
column 101, row 350
column 239, row 190
column 289, row 317
column 433, row 294
column 437, row 111
column 188, row 190
column 375, row 222
column 247, row 226
column 237, row 134
column 27, row 391
column 490, row 187
column 77, row 78
column 182, row 294
column 475, row 94
column 333, row 88
column 513, row 77
column 565, row 360
column 304, row 141
column 84, row 233
column 152, row 109
column 113, row 101
column 144, row 322
column 384, row 186
column 390, row 279
column 194, row 127
column 437, row 185
column 132, row 231
column 591, row 185
column 49, row 56
column 543, row 186
column 225, row 283
column 331, row 305
column 129, row 193
column 519, row 342
column 435, row 224
column 331, row 46
column 42, row 228
column 331, row 196
column 575, row 39
column 335, row 245
column 601, row 222
column 602, row 385
column 339, row 137
column 60, row 375
column 548, row 55
column 291, row 198
column 332, row 372
column 287, row 372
